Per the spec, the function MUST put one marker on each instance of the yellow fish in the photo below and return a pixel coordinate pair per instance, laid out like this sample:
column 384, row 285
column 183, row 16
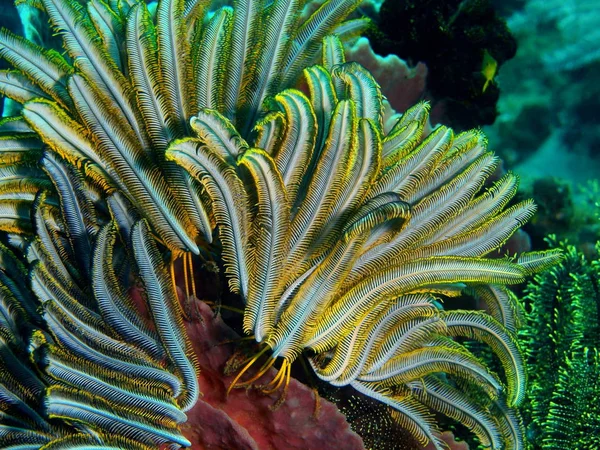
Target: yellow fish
column 488, row 68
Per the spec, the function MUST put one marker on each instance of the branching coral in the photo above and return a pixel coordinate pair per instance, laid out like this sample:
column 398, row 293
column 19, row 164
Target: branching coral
column 339, row 237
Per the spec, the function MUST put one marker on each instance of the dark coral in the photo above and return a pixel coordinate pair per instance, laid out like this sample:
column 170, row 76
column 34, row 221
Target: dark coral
column 507, row 7
column 451, row 37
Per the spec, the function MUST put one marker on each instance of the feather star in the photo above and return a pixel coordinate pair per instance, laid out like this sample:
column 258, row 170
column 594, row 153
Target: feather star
column 151, row 137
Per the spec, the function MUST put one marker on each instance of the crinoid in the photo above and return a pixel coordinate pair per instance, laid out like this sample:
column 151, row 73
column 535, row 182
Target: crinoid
column 149, row 134
column 356, row 233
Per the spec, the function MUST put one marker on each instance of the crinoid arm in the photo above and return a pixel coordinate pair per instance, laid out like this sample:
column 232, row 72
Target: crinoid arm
column 89, row 356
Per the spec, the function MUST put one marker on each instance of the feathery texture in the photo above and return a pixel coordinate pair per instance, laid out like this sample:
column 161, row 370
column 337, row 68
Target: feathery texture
column 158, row 133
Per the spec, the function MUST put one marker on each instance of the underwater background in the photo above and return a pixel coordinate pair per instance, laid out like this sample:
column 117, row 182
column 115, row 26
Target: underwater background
column 526, row 73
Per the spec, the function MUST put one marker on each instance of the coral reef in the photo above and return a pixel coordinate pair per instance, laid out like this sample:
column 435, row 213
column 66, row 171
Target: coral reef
column 551, row 84
column 577, row 24
column 160, row 140
column 561, row 339
column 452, row 38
